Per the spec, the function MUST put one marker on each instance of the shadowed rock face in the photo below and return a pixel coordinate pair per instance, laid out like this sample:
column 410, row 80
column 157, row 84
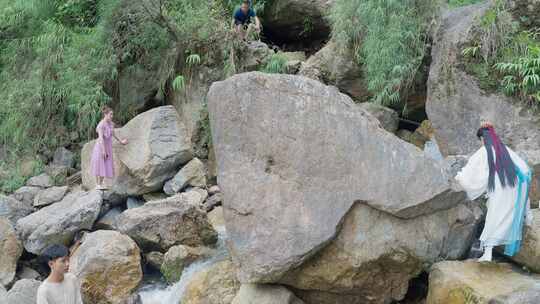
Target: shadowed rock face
column 294, row 155
column 292, row 20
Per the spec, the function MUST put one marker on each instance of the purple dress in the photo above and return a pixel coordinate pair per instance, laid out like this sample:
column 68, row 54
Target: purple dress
column 101, row 166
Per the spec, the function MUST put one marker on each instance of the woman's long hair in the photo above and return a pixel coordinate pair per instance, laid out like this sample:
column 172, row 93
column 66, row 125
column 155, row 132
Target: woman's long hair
column 502, row 163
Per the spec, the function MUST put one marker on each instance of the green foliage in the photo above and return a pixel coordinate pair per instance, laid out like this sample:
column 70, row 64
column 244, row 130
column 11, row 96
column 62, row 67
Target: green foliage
column 495, row 30
column 77, row 12
column 277, row 64
column 493, row 33
column 472, row 51
column 178, row 83
column 50, row 75
column 194, row 28
column 504, row 58
column 469, row 296
column 193, row 59
column 206, row 131
column 60, row 60
column 389, row 39
column 521, row 76
column 458, row 3
column 13, row 176
column 229, row 64
column 136, row 39
column 202, row 137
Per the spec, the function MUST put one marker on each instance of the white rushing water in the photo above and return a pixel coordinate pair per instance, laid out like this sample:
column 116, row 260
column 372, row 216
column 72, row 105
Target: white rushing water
column 160, row 293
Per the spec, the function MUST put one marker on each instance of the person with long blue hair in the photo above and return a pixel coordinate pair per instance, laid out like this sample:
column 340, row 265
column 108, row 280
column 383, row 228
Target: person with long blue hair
column 498, row 171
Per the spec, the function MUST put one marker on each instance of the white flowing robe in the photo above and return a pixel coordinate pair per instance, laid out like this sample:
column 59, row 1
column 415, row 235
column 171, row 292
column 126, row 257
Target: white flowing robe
column 501, row 202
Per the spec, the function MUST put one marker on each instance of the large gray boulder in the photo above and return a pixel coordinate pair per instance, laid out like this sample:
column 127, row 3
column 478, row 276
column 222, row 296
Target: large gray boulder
column 456, row 103
column 26, row 194
column 473, row 282
column 335, row 65
column 529, row 253
column 43, row 181
column 291, row 20
column 192, row 174
column 23, row 292
column 179, row 257
column 51, row 195
column 265, row 294
column 58, row 223
column 294, row 155
column 11, row 249
column 159, row 225
column 158, row 146
column 214, row 284
column 108, row 264
column 373, row 244
column 13, row 209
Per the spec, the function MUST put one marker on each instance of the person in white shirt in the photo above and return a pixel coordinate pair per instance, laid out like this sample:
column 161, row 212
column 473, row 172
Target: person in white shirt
column 60, row 287
column 506, row 178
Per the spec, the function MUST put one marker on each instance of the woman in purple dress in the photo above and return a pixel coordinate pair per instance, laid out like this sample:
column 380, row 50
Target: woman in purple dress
column 102, row 165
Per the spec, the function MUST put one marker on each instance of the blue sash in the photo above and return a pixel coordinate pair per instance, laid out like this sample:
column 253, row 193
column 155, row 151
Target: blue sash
column 519, row 214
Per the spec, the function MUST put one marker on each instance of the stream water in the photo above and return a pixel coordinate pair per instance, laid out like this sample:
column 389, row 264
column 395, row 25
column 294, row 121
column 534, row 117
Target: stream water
column 158, row 292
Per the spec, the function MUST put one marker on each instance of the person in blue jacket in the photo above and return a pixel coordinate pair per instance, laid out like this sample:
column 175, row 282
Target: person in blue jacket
column 243, row 20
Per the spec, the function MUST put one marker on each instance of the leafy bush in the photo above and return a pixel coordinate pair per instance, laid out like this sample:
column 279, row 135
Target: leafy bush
column 12, row 175
column 503, row 57
column 50, row 76
column 521, row 76
column 495, row 30
column 277, row 64
column 77, row 12
column 389, row 39
column 60, row 58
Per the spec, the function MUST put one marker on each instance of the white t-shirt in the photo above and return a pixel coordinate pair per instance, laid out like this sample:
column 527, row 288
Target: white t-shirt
column 66, row 292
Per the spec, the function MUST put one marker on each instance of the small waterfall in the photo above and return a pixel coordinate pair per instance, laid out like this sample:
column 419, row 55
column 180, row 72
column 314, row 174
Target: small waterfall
column 160, row 293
